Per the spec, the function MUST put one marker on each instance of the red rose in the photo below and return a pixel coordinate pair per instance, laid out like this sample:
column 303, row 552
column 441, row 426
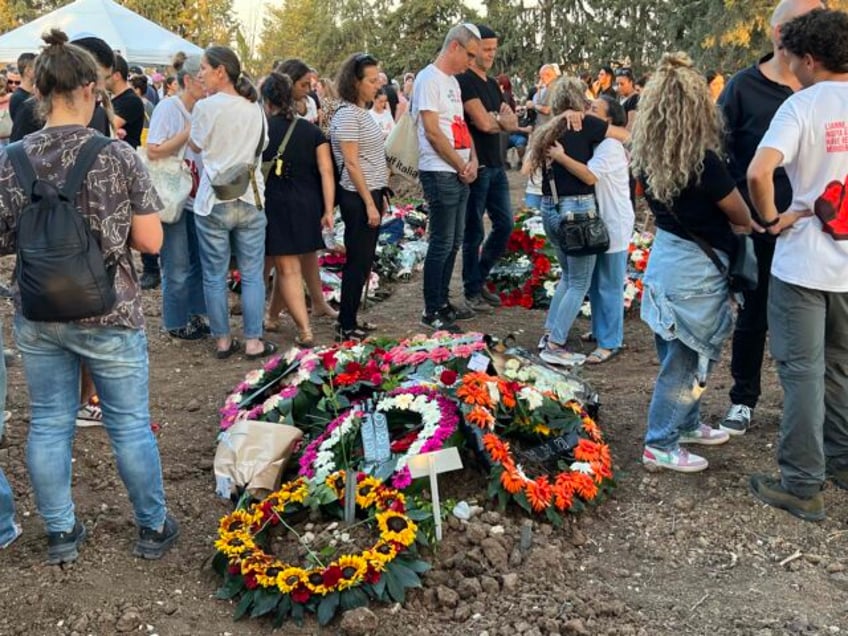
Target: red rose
column 300, row 594
column 448, row 377
column 234, row 569
column 375, row 379
column 332, row 575
column 250, row 581
column 372, row 576
column 328, row 360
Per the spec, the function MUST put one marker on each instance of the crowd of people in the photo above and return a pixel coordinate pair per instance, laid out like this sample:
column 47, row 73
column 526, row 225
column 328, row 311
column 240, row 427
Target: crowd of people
column 271, row 161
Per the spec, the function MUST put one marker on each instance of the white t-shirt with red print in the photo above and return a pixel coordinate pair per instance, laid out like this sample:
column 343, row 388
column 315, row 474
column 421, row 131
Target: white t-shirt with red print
column 811, row 131
column 439, row 92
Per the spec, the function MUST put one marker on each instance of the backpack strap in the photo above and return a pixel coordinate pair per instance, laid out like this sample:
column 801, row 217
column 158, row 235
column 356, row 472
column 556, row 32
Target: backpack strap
column 87, row 154
column 24, row 172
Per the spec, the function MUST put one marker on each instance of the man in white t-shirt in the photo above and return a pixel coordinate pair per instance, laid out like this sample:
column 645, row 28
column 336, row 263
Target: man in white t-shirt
column 808, row 294
column 447, row 163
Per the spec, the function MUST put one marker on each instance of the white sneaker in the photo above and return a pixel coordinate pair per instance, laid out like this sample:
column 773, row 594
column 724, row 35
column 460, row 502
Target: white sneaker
column 705, row 435
column 679, row 460
column 18, row 532
column 89, row 415
column 543, row 341
column 737, row 420
column 561, row 356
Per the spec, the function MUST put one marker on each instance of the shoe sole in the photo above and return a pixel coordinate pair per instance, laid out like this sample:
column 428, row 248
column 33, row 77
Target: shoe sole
column 66, row 553
column 562, row 363
column 448, row 327
column 154, row 551
column 795, row 512
column 733, row 432
column 656, row 467
column 703, row 442
column 81, row 423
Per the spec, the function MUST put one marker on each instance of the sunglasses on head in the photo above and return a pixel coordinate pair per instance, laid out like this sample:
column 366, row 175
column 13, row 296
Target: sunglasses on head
column 624, row 72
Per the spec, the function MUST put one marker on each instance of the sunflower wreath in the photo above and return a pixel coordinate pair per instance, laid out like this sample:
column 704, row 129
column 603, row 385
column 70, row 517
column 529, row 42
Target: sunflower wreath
column 558, row 438
column 439, row 421
column 264, row 584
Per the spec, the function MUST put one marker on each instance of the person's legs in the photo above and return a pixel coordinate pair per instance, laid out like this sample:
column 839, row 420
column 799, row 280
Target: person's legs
column 196, row 300
column 2, row 391
column 455, row 197
column 578, row 279
column 312, row 277
column 361, row 241
column 176, row 269
column 797, row 317
column 500, row 213
column 474, row 232
column 9, row 529
column 249, row 235
column 150, row 276
column 444, row 198
column 213, row 238
column 836, row 383
column 52, row 374
column 749, row 335
column 289, row 289
column 606, row 295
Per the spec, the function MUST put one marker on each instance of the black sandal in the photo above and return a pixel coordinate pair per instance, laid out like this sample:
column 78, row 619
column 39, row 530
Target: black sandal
column 267, row 349
column 357, row 333
column 226, row 353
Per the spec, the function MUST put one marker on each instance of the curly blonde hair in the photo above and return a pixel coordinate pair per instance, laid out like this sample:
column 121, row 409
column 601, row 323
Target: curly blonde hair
column 676, row 126
column 567, row 93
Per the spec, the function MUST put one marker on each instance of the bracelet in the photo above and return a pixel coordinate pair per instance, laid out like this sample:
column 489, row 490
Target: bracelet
column 767, row 224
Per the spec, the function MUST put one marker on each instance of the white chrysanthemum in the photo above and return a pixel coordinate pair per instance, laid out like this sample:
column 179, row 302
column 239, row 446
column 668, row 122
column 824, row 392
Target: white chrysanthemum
column 550, row 288
column 254, row 376
column 271, row 403
column 582, row 467
column 532, row 397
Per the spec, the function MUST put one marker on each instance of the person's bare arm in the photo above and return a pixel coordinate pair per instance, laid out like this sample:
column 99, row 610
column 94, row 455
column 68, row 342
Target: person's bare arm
column 761, row 186
column 736, row 211
column 169, row 146
column 146, row 233
column 328, row 183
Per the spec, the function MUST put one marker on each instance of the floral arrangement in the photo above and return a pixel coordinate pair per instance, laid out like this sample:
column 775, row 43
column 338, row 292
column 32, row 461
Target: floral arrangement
column 559, row 440
column 439, row 420
column 265, row 584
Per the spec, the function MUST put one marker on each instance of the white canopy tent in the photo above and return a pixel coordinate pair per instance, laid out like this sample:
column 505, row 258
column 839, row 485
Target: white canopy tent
column 138, row 39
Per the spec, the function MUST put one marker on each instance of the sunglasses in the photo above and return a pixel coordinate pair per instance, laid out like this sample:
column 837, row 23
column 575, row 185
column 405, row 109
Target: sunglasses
column 13, row 82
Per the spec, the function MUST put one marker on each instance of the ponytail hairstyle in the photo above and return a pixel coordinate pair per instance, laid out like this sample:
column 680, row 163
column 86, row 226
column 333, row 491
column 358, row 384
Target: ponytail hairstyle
column 218, row 56
column 277, row 91
column 567, row 93
column 293, row 67
column 60, row 69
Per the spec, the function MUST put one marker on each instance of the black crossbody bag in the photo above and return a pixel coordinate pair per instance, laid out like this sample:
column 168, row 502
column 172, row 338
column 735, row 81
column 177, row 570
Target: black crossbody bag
column 580, row 234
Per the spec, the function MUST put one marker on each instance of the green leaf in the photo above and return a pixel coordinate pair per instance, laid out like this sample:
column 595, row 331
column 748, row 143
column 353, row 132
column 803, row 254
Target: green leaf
column 380, row 588
column 264, row 602
column 503, row 497
column 405, row 576
column 327, row 608
column 243, row 605
column 521, row 499
column 297, row 614
column 352, row 598
column 220, row 563
column 418, row 566
column 231, row 587
column 553, row 516
column 416, row 514
column 394, row 586
column 283, row 610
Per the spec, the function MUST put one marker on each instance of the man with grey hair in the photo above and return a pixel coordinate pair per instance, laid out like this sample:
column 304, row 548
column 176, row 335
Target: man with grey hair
column 447, row 164
column 749, row 102
column 183, row 303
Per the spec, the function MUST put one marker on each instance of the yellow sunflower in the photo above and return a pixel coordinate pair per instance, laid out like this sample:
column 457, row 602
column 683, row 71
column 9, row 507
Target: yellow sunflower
column 290, row 578
column 396, row 527
column 239, row 520
column 234, row 544
column 296, row 490
column 353, row 569
column 366, row 492
column 256, row 563
column 268, row 576
column 386, row 497
column 380, row 555
column 336, row 483
column 315, row 582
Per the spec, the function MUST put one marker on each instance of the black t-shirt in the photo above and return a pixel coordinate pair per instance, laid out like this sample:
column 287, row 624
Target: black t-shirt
column 579, row 146
column 696, row 207
column 29, row 121
column 18, row 98
column 129, row 107
column 749, row 102
column 631, row 103
column 488, row 145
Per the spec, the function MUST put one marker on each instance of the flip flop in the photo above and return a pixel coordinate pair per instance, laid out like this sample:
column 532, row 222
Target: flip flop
column 267, row 349
column 226, row 353
column 599, row 355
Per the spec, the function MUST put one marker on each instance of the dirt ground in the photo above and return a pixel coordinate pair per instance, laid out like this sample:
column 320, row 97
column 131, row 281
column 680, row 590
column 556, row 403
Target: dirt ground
column 667, row 554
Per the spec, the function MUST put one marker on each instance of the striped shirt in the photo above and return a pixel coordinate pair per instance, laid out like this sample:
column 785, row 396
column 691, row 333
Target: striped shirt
column 351, row 123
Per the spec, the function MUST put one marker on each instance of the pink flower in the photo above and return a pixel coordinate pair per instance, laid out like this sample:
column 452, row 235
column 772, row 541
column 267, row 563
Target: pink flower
column 440, row 354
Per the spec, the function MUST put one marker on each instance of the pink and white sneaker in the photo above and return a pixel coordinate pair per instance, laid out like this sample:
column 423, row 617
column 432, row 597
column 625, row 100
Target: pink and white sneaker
column 705, row 435
column 679, row 460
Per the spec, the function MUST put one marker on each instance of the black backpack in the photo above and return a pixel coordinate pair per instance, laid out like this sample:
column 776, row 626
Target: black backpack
column 61, row 272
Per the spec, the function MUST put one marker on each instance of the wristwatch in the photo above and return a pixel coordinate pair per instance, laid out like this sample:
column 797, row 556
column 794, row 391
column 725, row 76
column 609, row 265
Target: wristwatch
column 767, row 224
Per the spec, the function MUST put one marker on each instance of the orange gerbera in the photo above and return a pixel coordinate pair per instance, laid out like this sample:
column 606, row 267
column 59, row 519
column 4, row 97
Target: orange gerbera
column 539, row 493
column 511, row 480
column 498, row 449
column 587, row 450
column 474, row 389
column 585, row 486
column 591, row 428
column 481, row 417
column 602, row 471
column 562, row 497
column 507, row 394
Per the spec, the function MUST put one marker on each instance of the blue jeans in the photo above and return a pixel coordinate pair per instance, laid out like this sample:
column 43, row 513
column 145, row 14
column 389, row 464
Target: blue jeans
column 606, row 295
column 676, row 402
column 489, row 192
column 182, row 279
column 242, row 223
column 7, row 511
column 117, row 359
column 447, row 197
column 576, row 270
column 533, row 201
column 2, row 386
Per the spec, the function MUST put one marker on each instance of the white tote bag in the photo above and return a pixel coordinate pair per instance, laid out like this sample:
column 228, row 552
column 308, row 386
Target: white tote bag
column 172, row 179
column 402, row 148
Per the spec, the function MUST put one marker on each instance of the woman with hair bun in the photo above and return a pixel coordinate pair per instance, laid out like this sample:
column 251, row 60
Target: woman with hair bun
column 119, row 205
column 300, row 196
column 677, row 146
column 229, row 130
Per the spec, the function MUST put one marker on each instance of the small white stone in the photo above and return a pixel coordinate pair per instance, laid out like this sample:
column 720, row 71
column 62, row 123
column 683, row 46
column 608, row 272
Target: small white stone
column 345, row 537
column 333, row 526
column 496, row 530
